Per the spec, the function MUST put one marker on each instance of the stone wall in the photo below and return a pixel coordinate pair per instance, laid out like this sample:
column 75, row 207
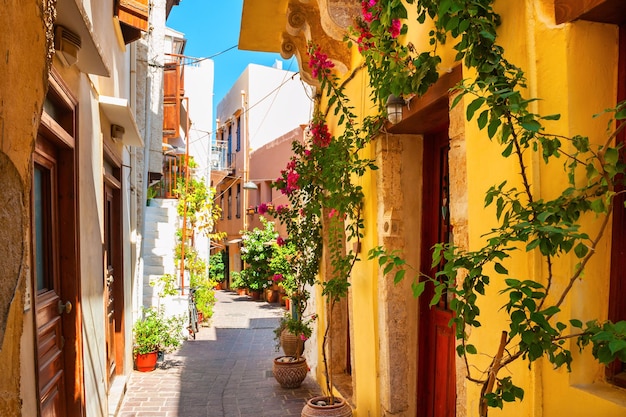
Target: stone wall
column 26, row 52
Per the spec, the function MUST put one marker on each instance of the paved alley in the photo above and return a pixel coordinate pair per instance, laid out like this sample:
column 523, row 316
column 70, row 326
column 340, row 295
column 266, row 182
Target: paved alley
column 225, row 372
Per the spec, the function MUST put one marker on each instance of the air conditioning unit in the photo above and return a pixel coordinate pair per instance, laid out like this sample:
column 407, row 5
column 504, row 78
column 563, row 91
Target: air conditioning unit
column 68, row 44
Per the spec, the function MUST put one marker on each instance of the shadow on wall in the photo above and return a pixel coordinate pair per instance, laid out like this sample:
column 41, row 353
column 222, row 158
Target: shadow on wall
column 12, row 220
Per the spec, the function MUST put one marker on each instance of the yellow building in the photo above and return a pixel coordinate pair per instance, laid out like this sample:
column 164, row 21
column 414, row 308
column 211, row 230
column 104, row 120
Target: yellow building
column 396, row 355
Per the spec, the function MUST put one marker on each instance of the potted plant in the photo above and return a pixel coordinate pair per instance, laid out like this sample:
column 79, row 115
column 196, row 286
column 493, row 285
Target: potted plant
column 155, row 333
column 325, row 206
column 239, row 282
column 216, row 269
column 256, row 253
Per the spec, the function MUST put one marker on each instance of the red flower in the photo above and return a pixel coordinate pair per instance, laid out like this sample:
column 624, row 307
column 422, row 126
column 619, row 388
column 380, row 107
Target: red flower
column 280, row 241
column 321, row 136
column 262, row 209
column 319, row 63
column 277, row 277
column 395, row 28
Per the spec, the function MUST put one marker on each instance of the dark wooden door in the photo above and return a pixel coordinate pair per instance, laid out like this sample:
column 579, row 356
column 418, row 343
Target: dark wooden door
column 110, row 282
column 436, row 363
column 50, row 306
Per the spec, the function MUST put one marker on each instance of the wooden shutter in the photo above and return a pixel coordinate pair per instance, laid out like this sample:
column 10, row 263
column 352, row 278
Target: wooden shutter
column 133, row 17
column 171, row 100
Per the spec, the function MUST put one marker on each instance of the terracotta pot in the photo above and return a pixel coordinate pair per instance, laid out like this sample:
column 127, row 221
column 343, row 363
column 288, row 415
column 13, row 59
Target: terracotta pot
column 146, row 362
column 255, row 294
column 241, row 291
column 339, row 409
column 271, row 296
column 292, row 345
column 200, row 316
column 289, row 372
column 287, row 303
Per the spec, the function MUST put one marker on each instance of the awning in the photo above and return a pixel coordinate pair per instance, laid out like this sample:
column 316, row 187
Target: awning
column 119, row 112
column 72, row 16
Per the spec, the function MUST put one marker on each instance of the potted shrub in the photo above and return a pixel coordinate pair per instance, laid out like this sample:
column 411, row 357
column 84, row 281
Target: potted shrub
column 155, row 333
column 239, row 282
column 256, row 253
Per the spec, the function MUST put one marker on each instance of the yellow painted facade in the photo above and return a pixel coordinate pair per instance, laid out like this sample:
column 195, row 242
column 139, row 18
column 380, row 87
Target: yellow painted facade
column 573, row 69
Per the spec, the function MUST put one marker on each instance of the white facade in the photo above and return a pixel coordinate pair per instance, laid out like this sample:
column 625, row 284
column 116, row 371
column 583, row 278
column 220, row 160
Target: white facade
column 276, row 101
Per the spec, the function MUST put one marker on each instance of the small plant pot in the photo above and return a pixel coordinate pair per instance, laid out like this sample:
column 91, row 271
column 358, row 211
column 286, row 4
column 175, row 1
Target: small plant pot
column 255, row 294
column 290, row 371
column 271, row 296
column 146, row 362
column 320, row 407
column 292, row 345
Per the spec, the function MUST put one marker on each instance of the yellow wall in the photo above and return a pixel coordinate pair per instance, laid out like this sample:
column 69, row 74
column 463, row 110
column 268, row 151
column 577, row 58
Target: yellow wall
column 572, row 68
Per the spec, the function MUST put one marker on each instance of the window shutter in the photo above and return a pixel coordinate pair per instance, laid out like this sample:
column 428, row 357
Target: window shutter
column 133, row 17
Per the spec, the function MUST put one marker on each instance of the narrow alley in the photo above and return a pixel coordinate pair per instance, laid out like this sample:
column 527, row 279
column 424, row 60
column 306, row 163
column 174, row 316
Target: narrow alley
column 225, row 372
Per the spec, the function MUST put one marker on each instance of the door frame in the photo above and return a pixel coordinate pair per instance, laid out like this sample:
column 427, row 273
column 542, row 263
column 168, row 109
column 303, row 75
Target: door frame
column 61, row 132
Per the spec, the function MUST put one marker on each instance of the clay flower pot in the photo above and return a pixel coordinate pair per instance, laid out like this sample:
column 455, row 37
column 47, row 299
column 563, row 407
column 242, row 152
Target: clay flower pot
column 320, row 407
column 290, row 371
column 146, row 362
column 292, row 345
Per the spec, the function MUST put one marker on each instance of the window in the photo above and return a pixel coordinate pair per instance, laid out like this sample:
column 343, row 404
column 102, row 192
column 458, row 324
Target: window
column 238, row 202
column 230, row 203
column 238, row 133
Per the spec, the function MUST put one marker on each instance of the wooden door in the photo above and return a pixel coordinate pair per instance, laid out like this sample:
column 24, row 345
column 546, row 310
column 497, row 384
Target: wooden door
column 109, row 273
column 436, row 360
column 50, row 305
column 55, row 272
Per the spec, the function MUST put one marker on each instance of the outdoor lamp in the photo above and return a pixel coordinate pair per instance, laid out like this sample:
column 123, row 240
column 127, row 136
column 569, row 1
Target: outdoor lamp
column 394, row 108
column 250, row 186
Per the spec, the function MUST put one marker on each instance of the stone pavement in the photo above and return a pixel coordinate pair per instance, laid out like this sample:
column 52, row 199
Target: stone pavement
column 225, row 372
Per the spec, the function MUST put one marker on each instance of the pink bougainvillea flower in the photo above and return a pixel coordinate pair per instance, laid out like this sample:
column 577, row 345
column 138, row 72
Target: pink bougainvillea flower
column 321, row 136
column 292, row 181
column 395, row 28
column 319, row 63
column 332, row 213
column 280, row 241
column 277, row 277
column 303, row 337
column 262, row 208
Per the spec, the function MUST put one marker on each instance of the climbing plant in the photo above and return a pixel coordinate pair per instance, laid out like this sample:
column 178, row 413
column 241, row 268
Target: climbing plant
column 552, row 228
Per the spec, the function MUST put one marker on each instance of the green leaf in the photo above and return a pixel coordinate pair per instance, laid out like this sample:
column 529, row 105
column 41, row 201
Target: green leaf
column 576, row 323
column 531, row 125
column 473, row 106
column 611, row 156
column 483, row 118
column 581, row 250
column 399, row 276
column 492, row 128
column 418, row 288
column 471, row 349
column 500, row 269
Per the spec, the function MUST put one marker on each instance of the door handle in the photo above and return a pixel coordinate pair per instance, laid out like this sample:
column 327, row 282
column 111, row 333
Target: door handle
column 67, row 307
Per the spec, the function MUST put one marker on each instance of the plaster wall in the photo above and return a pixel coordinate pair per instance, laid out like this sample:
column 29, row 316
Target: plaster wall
column 26, row 51
column 563, row 65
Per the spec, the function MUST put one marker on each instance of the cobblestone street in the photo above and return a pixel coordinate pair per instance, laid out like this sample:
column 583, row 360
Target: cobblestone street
column 225, row 372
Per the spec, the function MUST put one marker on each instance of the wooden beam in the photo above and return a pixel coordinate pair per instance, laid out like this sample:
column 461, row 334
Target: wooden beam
column 605, row 11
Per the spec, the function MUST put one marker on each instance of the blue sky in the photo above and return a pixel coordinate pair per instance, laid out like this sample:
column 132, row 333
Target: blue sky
column 211, row 27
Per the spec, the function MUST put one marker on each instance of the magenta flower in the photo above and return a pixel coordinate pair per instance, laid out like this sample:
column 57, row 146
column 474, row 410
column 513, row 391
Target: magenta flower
column 321, row 136
column 277, row 277
column 262, row 209
column 332, row 213
column 280, row 241
column 396, row 26
column 319, row 63
column 303, row 337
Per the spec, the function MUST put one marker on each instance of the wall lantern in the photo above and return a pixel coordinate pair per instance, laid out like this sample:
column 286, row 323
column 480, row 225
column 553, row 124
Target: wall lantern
column 250, row 186
column 394, row 108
